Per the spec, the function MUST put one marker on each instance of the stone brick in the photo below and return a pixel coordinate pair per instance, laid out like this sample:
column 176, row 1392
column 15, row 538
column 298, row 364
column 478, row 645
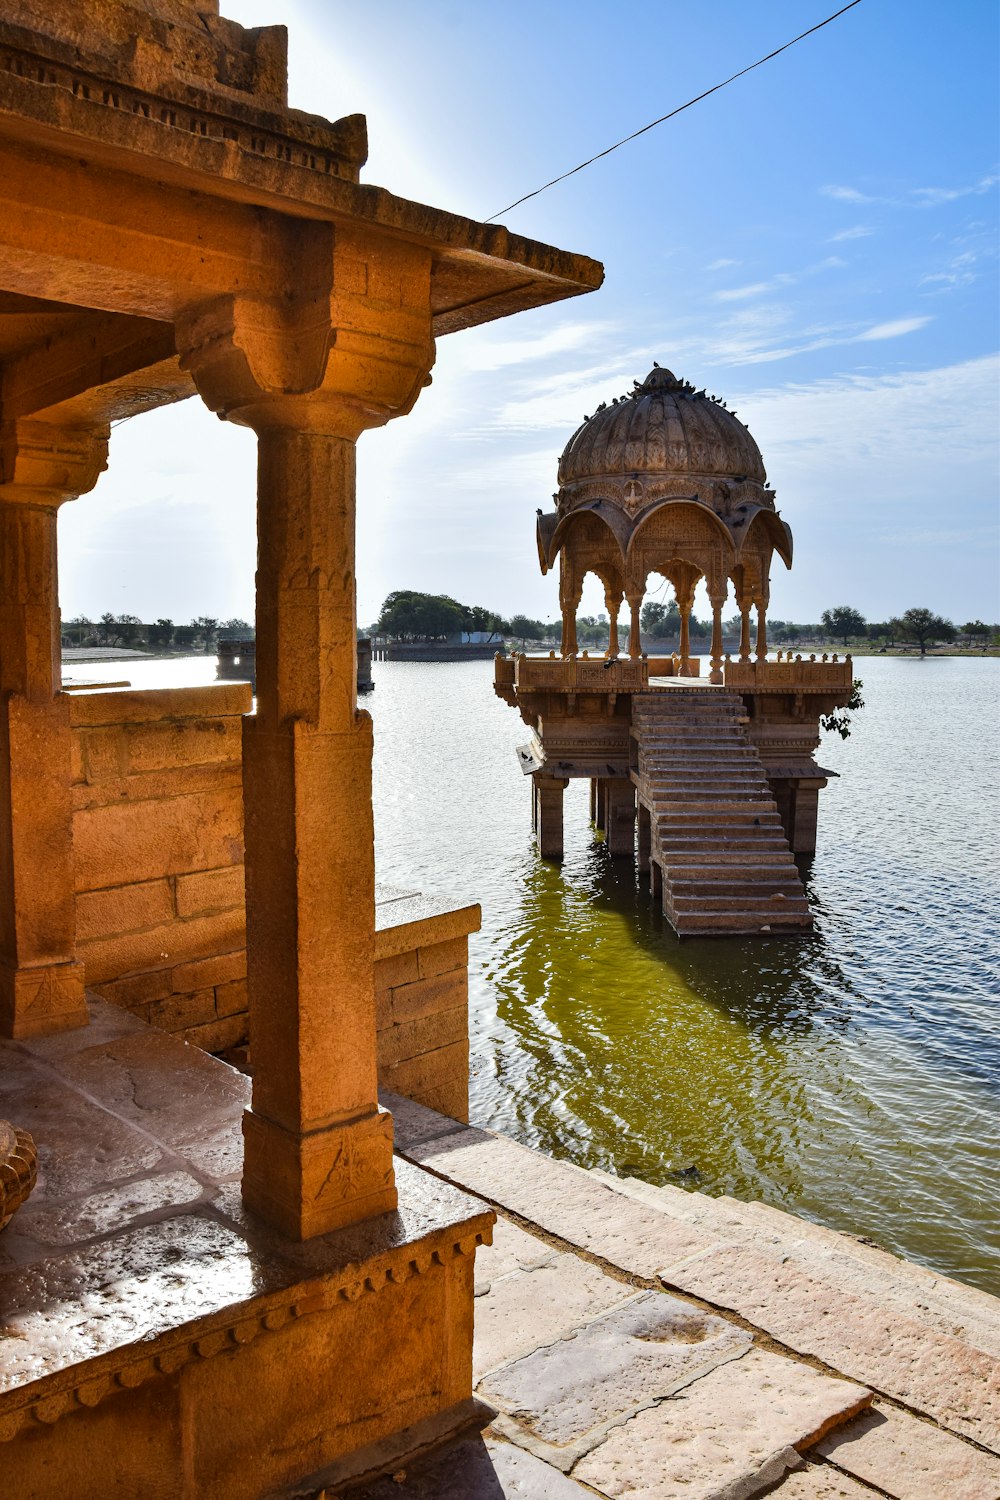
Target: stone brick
column 561, row 1199
column 413, row 1122
column 101, row 751
column 742, row 1425
column 399, row 968
column 569, row 1393
column 138, row 989
column 218, row 1035
column 158, row 786
column 439, row 958
column 450, row 1097
column 210, row 890
column 911, row 1460
column 416, row 1077
column 219, row 968
column 929, row 1371
column 231, row 999
column 142, row 840
column 428, row 1034
column 512, row 1250
column 159, row 746
column 527, row 1308
column 177, row 942
column 124, row 908
column 153, row 705
column 178, row 1012
column 427, row 996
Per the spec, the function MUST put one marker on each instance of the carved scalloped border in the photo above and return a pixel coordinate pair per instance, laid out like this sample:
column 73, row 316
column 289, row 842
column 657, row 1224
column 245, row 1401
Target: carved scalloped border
column 18, row 1174
column 307, row 1298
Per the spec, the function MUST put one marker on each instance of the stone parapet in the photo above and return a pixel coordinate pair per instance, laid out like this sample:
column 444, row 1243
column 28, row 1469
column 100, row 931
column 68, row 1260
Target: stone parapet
column 158, row 856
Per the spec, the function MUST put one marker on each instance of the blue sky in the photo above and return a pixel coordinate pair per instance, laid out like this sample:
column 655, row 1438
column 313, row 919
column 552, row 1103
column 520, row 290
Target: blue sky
column 817, row 244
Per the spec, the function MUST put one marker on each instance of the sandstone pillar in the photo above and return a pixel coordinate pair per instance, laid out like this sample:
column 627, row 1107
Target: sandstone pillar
column 685, row 604
column 762, row 628
column 645, row 841
column 634, row 637
column 308, row 377
column 549, row 791
column 569, row 600
column 619, row 830
column 613, row 603
column 745, row 605
column 718, row 599
column 41, row 982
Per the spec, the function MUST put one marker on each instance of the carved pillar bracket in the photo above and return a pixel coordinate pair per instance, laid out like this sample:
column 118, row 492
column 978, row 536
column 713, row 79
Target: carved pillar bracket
column 41, row 982
column 318, row 1150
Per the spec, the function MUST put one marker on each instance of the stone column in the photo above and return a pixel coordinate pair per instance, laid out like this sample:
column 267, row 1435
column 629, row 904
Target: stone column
column 745, row 605
column 619, row 830
column 612, row 603
column 685, row 603
column 634, row 638
column 549, row 790
column 762, row 628
column 718, row 600
column 318, row 1149
column 41, row 982
column 569, row 599
column 645, row 840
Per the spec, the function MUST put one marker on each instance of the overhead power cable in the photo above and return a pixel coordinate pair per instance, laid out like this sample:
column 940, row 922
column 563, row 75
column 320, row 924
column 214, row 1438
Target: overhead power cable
column 679, row 110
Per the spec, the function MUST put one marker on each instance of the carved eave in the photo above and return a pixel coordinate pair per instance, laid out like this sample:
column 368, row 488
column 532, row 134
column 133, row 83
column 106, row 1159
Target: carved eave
column 545, row 528
column 778, row 532
column 614, row 519
column 249, row 152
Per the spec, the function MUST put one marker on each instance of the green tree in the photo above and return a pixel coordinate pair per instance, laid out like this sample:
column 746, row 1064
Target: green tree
column 161, row 634
column 207, row 629
column 184, row 635
column 526, row 629
column 409, row 615
column 843, row 622
column 657, row 618
column 976, row 630
column 925, row 627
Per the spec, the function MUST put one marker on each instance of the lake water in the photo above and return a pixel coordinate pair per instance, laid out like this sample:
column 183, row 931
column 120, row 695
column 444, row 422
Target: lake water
column 853, row 1077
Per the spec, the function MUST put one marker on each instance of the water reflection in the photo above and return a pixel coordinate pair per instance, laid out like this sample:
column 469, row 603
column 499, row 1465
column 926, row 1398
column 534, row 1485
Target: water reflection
column 853, row 1077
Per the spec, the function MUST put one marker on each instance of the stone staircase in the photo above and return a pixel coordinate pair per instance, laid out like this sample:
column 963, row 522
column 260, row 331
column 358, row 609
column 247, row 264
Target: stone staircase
column 715, row 832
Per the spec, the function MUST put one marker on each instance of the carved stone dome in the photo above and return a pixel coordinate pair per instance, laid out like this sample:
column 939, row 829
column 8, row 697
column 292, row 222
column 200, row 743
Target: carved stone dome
column 663, row 427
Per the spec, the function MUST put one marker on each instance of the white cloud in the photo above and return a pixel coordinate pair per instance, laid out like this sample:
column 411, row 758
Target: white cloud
column 496, row 353
column 856, row 232
column 721, row 265
column 847, row 194
column 892, row 330
column 741, row 293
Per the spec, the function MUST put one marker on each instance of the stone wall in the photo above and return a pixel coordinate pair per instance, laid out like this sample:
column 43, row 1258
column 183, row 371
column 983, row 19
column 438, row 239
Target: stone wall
column 422, row 998
column 161, row 927
column 158, row 855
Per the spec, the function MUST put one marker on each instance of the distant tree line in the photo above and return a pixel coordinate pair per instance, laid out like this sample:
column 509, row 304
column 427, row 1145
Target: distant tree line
column 131, row 633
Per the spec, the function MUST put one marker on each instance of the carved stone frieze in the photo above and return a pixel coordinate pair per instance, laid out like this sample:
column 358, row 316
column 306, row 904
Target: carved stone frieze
column 18, row 1169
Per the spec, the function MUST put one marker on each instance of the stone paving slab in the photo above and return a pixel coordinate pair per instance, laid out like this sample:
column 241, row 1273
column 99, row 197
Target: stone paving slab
column 911, row 1460
column 512, row 1250
column 816, row 1482
column 562, row 1199
column 527, row 1309
column 931, row 1372
column 562, row 1399
column 840, row 1259
column 474, row 1469
column 725, row 1437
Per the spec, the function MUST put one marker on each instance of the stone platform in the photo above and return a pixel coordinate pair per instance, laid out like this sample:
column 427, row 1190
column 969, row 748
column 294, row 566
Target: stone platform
column 649, row 1342
column 157, row 1340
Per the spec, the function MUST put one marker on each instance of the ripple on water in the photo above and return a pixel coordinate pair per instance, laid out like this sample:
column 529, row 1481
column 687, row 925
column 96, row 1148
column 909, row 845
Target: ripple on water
column 852, row 1077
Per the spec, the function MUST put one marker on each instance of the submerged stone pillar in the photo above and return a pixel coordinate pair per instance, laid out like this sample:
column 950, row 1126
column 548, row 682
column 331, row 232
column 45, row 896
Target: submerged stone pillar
column 645, row 841
column 41, row 982
column 318, row 1149
column 619, row 830
column 549, row 828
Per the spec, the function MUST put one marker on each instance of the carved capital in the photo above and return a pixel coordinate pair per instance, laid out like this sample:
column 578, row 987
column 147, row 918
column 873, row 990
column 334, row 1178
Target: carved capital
column 347, row 347
column 42, row 464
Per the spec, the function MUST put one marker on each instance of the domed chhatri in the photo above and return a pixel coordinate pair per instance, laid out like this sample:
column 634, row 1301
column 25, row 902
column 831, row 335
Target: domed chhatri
column 664, row 427
column 18, row 1169
column 666, row 480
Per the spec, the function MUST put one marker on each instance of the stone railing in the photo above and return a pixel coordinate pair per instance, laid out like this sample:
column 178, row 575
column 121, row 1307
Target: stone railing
column 578, row 674
column 791, row 672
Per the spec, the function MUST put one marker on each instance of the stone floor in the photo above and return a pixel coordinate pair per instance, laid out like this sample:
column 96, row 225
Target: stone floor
column 633, row 1341
column 649, row 1342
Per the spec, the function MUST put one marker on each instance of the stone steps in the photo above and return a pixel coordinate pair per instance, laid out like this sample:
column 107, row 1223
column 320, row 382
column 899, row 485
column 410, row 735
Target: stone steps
column 712, row 810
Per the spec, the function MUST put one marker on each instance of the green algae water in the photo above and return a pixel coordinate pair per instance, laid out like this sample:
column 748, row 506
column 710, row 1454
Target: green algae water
column 853, row 1077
